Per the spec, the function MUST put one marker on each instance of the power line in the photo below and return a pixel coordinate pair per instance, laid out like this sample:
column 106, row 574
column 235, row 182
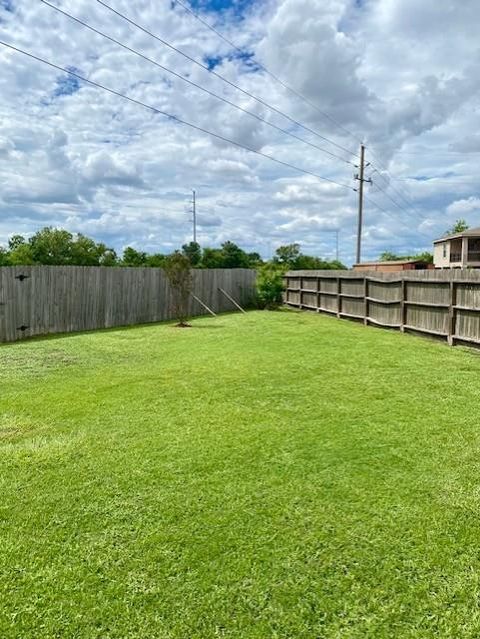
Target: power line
column 432, row 178
column 173, row 117
column 407, row 179
column 402, row 208
column 388, row 182
column 272, row 75
column 194, row 84
column 397, row 192
column 224, row 79
column 380, row 208
column 435, row 151
column 267, row 71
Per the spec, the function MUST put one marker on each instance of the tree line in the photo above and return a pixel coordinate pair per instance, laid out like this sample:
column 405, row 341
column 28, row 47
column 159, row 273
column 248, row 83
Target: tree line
column 54, row 246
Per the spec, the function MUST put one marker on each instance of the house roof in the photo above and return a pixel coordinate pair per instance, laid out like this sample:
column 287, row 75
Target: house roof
column 453, row 236
column 391, row 262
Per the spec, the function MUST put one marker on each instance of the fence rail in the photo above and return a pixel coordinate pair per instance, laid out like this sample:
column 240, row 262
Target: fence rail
column 37, row 300
column 442, row 303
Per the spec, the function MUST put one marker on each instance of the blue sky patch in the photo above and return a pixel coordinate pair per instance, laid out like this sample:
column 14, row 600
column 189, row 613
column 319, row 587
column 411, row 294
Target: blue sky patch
column 426, row 178
column 238, row 6
column 212, row 61
column 67, row 84
column 248, row 60
column 7, row 5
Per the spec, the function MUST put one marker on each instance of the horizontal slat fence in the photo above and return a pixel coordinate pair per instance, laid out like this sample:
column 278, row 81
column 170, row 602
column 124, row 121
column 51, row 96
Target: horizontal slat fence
column 444, row 303
column 37, row 300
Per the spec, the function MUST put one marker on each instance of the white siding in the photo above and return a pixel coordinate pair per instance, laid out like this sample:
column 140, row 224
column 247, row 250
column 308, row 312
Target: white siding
column 441, row 254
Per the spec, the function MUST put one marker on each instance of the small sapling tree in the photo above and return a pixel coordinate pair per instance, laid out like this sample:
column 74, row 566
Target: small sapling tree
column 177, row 268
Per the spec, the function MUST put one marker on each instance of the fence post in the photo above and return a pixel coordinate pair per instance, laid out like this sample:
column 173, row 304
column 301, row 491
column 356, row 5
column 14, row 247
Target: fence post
column 318, row 294
column 339, row 299
column 402, row 304
column 365, row 299
column 451, row 311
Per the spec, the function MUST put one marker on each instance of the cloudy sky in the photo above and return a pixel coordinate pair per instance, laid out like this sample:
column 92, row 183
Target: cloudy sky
column 400, row 75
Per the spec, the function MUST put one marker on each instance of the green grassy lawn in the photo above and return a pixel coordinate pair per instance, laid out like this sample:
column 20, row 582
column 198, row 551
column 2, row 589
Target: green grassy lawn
column 268, row 475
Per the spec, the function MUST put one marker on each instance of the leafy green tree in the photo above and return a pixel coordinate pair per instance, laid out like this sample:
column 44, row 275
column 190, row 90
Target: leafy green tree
column 388, row 256
column 155, row 260
column 336, row 265
column 426, row 256
column 289, row 257
column 211, row 258
column 84, row 252
column 193, row 251
column 51, row 246
column 254, row 260
column 131, row 257
column 108, row 256
column 4, row 257
column 309, row 262
column 287, row 254
column 21, row 256
column 459, row 227
column 15, row 241
column 233, row 256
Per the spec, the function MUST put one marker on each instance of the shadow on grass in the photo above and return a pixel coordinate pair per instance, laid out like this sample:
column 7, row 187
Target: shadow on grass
column 209, row 328
column 112, row 329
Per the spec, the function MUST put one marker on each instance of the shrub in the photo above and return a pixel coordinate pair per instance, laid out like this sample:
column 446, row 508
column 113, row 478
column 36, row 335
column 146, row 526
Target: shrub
column 270, row 286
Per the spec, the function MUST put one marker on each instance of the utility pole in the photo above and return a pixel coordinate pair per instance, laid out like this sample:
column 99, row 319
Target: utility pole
column 361, row 179
column 194, row 216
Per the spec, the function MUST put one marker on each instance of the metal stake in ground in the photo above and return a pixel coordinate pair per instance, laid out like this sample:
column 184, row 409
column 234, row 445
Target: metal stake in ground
column 197, row 299
column 231, row 299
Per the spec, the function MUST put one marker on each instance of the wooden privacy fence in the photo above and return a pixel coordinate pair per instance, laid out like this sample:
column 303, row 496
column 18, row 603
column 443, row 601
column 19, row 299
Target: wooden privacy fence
column 36, row 300
column 444, row 303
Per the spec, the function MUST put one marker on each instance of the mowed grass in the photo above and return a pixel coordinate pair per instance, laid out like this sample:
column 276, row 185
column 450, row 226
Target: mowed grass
column 264, row 475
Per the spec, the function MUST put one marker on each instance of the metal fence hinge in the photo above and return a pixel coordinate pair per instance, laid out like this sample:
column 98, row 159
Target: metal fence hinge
column 22, row 277
column 22, row 328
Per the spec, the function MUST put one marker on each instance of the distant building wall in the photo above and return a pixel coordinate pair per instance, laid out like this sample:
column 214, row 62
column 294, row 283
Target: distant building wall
column 441, row 254
column 392, row 267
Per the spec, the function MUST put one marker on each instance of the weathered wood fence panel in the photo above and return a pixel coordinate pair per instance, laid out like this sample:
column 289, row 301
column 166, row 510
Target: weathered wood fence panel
column 444, row 303
column 37, row 300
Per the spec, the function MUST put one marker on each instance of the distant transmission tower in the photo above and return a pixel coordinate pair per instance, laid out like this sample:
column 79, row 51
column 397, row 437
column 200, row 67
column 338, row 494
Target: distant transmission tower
column 194, row 215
